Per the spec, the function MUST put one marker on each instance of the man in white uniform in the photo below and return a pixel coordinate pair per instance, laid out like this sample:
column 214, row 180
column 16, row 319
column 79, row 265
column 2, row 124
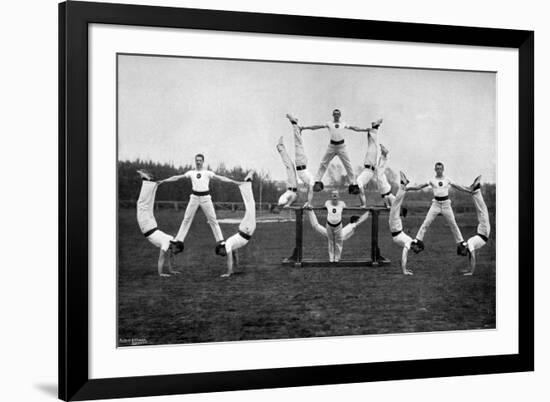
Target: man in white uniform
column 200, row 179
column 333, row 230
column 337, row 147
column 384, row 187
column 300, row 158
column 291, row 193
column 148, row 224
column 474, row 243
column 247, row 227
column 370, row 164
column 441, row 204
column 399, row 237
column 346, row 232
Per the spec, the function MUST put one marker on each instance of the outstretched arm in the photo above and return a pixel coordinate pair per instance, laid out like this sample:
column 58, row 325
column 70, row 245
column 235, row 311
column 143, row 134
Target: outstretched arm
column 161, row 263
column 472, row 263
column 404, row 268
column 229, row 265
column 172, row 263
column 314, row 127
column 375, row 125
column 225, row 179
column 171, row 179
column 359, row 129
column 416, row 188
column 461, row 188
column 315, row 223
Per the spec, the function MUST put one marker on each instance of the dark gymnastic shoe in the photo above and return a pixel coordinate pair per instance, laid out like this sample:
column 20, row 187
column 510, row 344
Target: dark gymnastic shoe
column 353, row 189
column 249, row 176
column 476, row 185
column 461, row 248
column 318, row 186
column 177, row 246
column 145, row 175
column 403, row 179
column 377, row 123
column 292, row 119
column 417, row 246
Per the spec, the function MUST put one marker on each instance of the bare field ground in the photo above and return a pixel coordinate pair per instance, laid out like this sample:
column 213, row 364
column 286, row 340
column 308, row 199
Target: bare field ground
column 269, row 301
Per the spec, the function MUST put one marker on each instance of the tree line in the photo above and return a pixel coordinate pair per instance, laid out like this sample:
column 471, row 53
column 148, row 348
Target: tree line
column 264, row 187
column 129, row 183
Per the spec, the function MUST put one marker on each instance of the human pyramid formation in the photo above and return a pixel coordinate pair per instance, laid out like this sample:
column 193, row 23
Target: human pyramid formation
column 374, row 166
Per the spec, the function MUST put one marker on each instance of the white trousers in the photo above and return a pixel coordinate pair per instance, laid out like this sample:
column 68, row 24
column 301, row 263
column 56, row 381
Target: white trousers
column 291, row 179
column 342, row 153
column 305, row 176
column 444, row 208
column 395, row 222
column 334, row 235
column 248, row 224
column 287, row 198
column 364, row 177
column 383, row 183
column 484, row 226
column 335, row 242
column 299, row 151
column 145, row 205
column 205, row 202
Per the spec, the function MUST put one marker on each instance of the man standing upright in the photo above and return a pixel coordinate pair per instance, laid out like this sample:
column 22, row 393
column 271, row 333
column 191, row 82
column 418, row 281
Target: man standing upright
column 333, row 230
column 337, row 147
column 200, row 179
column 441, row 204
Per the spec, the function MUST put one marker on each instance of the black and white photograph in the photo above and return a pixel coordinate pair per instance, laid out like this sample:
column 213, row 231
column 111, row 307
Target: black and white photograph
column 263, row 200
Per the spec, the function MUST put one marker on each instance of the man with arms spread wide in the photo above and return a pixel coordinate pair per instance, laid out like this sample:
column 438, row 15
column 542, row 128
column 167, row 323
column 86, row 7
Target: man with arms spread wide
column 200, row 179
column 336, row 147
column 441, row 204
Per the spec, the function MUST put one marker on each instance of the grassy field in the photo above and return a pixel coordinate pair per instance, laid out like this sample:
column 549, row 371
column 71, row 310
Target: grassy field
column 269, row 301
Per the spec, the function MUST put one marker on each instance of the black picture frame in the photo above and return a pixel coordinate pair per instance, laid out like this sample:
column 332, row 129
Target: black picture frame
column 74, row 381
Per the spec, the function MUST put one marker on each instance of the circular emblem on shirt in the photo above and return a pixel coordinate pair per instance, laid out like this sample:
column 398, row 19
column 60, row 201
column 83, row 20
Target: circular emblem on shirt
column 333, row 210
column 199, row 176
column 337, row 125
column 440, row 184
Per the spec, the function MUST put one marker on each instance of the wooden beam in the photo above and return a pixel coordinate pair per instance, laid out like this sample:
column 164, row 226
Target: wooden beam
column 327, row 264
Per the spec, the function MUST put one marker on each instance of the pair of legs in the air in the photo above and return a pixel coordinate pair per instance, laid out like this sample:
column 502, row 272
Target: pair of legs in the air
column 148, row 226
column 228, row 248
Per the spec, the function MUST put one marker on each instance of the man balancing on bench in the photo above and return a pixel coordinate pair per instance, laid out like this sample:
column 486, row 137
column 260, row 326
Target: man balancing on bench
column 333, row 231
column 227, row 248
column 336, row 147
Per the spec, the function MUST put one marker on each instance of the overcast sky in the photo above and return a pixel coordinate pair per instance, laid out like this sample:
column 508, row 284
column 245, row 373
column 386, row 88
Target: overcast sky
column 234, row 112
